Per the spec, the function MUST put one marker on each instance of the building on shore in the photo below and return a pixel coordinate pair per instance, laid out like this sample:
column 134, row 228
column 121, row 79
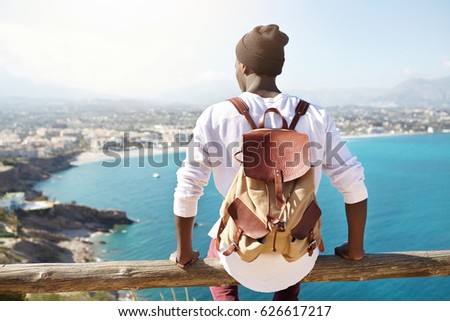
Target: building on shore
column 12, row 201
column 16, row 201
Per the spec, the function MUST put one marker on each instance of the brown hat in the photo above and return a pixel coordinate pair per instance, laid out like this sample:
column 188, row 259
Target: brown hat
column 262, row 49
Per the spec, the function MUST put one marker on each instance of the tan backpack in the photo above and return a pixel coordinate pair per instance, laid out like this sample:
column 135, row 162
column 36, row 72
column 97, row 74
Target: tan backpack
column 271, row 205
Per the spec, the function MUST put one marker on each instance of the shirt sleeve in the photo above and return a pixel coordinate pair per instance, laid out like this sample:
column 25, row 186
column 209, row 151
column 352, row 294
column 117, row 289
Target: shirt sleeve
column 194, row 172
column 343, row 169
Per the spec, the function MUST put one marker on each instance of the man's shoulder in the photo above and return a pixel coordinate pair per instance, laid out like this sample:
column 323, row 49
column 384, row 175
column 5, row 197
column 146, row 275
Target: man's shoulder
column 217, row 112
column 218, row 108
column 317, row 110
column 314, row 110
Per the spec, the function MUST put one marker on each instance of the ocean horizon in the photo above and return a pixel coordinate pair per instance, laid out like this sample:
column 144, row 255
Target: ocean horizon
column 407, row 178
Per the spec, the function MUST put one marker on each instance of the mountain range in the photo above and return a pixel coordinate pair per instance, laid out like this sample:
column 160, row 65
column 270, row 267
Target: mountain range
column 415, row 92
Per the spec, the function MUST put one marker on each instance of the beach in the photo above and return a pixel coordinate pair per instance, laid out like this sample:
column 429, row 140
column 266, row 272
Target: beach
column 100, row 156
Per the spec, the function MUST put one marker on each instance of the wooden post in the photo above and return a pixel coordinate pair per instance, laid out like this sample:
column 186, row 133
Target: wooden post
column 134, row 275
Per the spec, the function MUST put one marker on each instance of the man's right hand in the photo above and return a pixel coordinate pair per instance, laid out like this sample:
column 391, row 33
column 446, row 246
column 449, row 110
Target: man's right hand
column 184, row 261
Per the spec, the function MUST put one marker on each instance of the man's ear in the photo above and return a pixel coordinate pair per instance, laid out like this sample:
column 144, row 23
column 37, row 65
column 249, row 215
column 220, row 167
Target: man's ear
column 247, row 70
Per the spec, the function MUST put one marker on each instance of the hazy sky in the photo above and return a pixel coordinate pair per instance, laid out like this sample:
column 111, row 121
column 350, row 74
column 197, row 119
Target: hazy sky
column 144, row 48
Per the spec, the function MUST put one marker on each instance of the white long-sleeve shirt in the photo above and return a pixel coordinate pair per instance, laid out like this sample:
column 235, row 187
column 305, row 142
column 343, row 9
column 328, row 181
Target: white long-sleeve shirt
column 218, row 135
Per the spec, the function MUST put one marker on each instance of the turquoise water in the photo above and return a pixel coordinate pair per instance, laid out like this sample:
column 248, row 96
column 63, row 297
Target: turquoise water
column 408, row 179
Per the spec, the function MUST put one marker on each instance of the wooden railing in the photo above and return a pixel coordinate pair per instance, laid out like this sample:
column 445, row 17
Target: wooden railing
column 134, row 275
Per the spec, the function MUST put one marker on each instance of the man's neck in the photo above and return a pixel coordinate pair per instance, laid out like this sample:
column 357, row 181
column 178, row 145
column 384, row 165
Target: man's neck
column 262, row 86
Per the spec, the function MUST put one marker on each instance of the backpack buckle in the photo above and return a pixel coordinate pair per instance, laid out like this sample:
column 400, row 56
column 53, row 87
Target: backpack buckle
column 311, row 247
column 281, row 226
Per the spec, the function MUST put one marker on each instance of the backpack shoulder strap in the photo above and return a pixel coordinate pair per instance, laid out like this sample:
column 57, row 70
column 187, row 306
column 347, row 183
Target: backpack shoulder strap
column 242, row 108
column 300, row 110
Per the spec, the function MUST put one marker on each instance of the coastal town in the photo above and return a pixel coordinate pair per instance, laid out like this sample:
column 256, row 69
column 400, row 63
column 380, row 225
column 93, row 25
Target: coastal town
column 48, row 130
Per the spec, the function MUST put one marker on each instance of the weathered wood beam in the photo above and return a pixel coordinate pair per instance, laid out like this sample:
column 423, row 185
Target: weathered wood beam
column 134, row 275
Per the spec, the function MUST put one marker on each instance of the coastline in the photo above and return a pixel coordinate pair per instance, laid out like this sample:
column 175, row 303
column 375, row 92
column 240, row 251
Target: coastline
column 85, row 245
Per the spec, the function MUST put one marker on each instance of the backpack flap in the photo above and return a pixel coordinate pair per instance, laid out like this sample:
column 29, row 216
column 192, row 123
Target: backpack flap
column 244, row 218
column 275, row 156
column 305, row 228
column 266, row 150
column 307, row 222
column 247, row 223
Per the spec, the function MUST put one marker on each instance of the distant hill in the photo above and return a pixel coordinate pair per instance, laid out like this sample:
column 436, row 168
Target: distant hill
column 12, row 86
column 417, row 92
column 339, row 97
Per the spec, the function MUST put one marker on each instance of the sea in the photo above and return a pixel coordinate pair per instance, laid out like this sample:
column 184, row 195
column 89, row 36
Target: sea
column 408, row 178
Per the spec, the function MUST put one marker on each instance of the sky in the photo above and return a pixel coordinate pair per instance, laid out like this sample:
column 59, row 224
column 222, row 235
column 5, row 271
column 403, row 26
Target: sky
column 146, row 48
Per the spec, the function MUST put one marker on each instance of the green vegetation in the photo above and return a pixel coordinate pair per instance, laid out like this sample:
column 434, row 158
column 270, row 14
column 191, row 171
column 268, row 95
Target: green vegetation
column 9, row 218
column 41, row 198
column 7, row 234
column 12, row 297
column 76, row 296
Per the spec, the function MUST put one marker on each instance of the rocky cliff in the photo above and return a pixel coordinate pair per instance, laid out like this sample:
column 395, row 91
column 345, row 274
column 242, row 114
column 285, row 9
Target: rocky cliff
column 64, row 217
column 60, row 233
column 25, row 174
